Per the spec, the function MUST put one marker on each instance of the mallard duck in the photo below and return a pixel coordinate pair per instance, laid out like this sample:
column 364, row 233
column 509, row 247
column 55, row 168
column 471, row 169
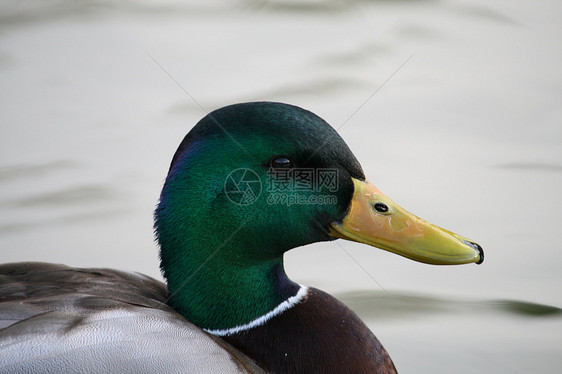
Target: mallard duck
column 249, row 182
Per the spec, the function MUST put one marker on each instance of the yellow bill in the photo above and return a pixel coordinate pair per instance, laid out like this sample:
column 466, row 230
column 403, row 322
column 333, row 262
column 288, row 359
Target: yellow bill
column 376, row 220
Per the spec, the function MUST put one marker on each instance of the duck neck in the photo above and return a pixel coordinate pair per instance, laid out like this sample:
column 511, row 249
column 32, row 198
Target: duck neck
column 220, row 295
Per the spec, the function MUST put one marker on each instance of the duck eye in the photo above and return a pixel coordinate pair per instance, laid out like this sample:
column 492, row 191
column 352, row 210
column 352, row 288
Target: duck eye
column 381, row 207
column 281, row 163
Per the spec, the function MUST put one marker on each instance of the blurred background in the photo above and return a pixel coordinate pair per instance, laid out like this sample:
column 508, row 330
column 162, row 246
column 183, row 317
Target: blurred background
column 452, row 107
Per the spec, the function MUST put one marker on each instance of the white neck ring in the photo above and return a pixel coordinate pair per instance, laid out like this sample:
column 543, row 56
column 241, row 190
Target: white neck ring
column 285, row 305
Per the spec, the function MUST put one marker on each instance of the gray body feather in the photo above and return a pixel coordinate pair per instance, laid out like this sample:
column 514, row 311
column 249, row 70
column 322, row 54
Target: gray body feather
column 58, row 319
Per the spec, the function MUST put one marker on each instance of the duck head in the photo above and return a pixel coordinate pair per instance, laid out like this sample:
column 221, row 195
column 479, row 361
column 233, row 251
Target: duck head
column 252, row 181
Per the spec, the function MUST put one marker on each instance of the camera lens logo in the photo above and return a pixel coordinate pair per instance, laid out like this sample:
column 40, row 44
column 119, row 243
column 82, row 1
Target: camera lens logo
column 242, row 186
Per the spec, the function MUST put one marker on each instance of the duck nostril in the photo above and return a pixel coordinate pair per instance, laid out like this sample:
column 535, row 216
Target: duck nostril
column 381, row 207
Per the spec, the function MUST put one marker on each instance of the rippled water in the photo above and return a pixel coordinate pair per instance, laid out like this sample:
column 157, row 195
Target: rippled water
column 453, row 108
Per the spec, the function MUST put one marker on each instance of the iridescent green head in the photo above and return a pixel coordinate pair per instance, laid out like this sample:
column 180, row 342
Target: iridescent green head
column 248, row 183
